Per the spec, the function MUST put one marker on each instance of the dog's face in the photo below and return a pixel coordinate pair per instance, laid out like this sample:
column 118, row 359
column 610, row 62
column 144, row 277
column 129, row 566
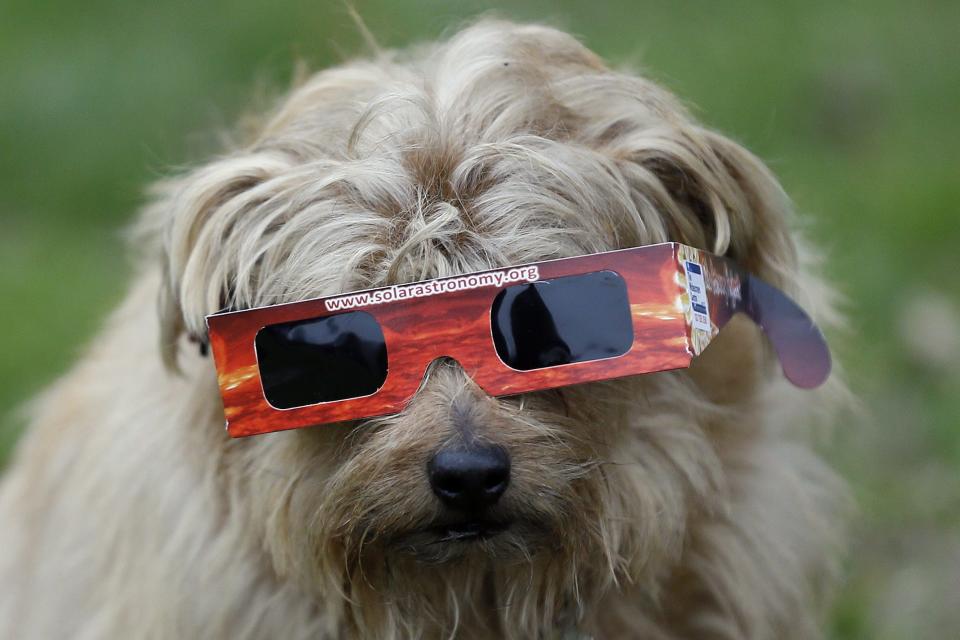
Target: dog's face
column 506, row 145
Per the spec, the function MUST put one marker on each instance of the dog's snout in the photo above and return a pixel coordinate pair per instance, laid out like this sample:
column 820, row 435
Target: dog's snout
column 469, row 479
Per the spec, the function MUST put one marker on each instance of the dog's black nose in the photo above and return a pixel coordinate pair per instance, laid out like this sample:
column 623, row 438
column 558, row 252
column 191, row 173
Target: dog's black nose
column 469, row 478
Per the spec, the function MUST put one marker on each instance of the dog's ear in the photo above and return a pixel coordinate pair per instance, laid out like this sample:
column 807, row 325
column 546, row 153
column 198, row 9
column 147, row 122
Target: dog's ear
column 195, row 216
column 725, row 199
column 712, row 193
column 761, row 234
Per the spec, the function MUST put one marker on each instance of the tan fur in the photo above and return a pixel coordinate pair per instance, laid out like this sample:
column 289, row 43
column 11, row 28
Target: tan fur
column 674, row 505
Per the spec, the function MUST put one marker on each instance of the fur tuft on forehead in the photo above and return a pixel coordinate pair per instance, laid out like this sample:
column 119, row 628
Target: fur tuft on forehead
column 507, row 144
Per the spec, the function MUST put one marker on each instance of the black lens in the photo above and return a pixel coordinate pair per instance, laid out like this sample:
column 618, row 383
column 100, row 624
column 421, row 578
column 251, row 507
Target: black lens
column 564, row 320
column 321, row 360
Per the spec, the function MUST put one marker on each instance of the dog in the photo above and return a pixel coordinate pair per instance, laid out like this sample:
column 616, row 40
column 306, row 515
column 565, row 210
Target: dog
column 681, row 504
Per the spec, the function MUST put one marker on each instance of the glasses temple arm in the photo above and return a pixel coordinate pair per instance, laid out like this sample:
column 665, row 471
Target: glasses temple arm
column 798, row 342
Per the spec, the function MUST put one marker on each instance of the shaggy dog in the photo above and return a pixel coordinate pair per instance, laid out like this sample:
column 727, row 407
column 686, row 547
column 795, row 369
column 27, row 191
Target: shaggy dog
column 673, row 505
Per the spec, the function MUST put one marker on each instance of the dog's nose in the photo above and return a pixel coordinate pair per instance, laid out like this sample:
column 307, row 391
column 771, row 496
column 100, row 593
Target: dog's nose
column 469, row 478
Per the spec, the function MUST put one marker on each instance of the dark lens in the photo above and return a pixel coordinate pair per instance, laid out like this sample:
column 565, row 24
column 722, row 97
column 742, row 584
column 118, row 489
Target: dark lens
column 564, row 320
column 321, row 360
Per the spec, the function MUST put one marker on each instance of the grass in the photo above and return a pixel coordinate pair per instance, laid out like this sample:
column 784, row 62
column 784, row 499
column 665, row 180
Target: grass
column 853, row 104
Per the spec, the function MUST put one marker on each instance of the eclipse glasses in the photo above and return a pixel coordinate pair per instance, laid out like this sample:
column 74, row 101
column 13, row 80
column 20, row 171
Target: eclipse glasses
column 513, row 330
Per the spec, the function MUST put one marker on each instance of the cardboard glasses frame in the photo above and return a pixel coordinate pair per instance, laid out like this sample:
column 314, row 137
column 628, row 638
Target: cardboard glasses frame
column 679, row 299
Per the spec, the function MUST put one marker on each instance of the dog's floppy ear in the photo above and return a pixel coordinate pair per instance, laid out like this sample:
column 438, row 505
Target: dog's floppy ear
column 197, row 214
column 761, row 235
column 714, row 194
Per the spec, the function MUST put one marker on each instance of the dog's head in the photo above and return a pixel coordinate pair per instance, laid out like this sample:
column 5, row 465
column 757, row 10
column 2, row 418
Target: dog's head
column 508, row 144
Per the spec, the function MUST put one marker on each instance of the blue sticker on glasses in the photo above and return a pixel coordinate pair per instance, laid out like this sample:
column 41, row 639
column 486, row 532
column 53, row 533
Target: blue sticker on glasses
column 697, row 289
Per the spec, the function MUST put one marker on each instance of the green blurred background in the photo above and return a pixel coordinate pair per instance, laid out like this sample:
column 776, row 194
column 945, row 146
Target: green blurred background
column 853, row 104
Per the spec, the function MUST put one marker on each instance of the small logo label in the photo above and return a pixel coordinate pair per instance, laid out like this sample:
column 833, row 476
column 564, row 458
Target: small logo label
column 698, row 296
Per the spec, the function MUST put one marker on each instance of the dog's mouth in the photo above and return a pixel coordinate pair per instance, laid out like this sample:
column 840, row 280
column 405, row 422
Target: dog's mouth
column 448, row 540
column 469, row 530
column 478, row 536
